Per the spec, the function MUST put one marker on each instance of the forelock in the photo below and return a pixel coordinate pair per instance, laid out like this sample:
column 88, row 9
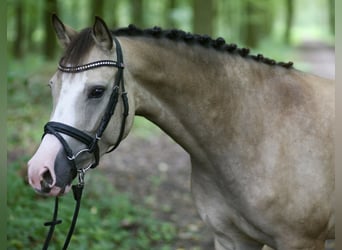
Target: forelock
column 79, row 47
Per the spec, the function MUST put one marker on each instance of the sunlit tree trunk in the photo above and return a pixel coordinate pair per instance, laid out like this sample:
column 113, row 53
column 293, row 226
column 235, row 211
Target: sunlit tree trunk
column 204, row 13
column 50, row 38
column 289, row 20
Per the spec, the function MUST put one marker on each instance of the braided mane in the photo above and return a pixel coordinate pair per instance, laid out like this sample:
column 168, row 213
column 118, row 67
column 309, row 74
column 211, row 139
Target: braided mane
column 83, row 42
column 203, row 40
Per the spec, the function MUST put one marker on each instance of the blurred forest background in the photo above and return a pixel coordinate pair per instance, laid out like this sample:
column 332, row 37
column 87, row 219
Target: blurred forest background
column 245, row 22
column 139, row 198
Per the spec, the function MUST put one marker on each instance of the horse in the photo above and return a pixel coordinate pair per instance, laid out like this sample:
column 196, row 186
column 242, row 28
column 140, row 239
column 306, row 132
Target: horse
column 259, row 132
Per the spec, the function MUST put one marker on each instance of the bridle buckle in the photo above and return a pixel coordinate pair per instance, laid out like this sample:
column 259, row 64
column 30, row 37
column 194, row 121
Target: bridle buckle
column 73, row 157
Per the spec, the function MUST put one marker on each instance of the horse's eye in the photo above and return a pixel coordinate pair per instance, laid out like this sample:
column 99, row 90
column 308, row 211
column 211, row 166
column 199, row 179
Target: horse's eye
column 96, row 92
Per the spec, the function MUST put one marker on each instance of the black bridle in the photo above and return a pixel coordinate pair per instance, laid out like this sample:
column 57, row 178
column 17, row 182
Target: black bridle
column 91, row 142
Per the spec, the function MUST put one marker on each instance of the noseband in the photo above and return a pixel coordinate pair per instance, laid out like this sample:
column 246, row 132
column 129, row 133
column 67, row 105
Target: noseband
column 91, row 142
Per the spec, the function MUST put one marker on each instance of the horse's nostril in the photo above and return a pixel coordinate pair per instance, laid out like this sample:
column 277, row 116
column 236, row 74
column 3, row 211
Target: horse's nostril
column 46, row 182
column 45, row 188
column 47, row 177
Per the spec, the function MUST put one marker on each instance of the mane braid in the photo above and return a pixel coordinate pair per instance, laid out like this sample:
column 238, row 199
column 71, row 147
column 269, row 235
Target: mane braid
column 203, row 40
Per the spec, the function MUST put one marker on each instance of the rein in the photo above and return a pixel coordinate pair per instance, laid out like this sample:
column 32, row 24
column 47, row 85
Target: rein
column 91, row 142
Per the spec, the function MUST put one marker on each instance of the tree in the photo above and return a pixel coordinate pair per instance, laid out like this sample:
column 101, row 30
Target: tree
column 19, row 40
column 289, row 20
column 97, row 8
column 204, row 13
column 50, row 39
column 332, row 15
column 137, row 12
column 250, row 24
column 257, row 21
column 32, row 21
column 110, row 13
column 170, row 7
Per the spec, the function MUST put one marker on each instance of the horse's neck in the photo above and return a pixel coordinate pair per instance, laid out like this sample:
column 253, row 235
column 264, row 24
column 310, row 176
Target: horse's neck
column 186, row 90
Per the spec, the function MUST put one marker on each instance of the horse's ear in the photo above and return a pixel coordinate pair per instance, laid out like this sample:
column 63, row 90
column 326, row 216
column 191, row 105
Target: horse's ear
column 102, row 34
column 64, row 33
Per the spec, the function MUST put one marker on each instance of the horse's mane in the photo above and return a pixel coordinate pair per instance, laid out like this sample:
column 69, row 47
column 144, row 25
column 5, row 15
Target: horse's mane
column 84, row 41
column 203, row 40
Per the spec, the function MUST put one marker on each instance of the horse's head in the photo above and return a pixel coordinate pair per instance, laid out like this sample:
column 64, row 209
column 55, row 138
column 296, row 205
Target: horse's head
column 86, row 90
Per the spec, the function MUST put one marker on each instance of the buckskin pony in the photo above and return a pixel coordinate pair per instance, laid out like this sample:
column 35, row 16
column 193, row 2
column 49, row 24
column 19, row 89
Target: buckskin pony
column 259, row 132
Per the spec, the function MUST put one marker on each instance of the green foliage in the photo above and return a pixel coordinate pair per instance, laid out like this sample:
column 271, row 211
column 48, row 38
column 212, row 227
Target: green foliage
column 29, row 101
column 107, row 219
column 236, row 21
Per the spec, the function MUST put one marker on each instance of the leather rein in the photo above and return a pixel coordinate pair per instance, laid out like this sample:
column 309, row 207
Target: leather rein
column 91, row 142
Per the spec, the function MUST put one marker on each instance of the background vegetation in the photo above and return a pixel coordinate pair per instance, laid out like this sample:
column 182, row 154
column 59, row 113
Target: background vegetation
column 272, row 27
column 246, row 22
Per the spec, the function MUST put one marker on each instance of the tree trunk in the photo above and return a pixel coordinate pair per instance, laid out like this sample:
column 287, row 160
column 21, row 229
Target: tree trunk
column 170, row 20
column 203, row 16
column 97, row 8
column 289, row 20
column 19, row 41
column 32, row 20
column 332, row 15
column 50, row 38
column 257, row 21
column 137, row 10
column 250, row 27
